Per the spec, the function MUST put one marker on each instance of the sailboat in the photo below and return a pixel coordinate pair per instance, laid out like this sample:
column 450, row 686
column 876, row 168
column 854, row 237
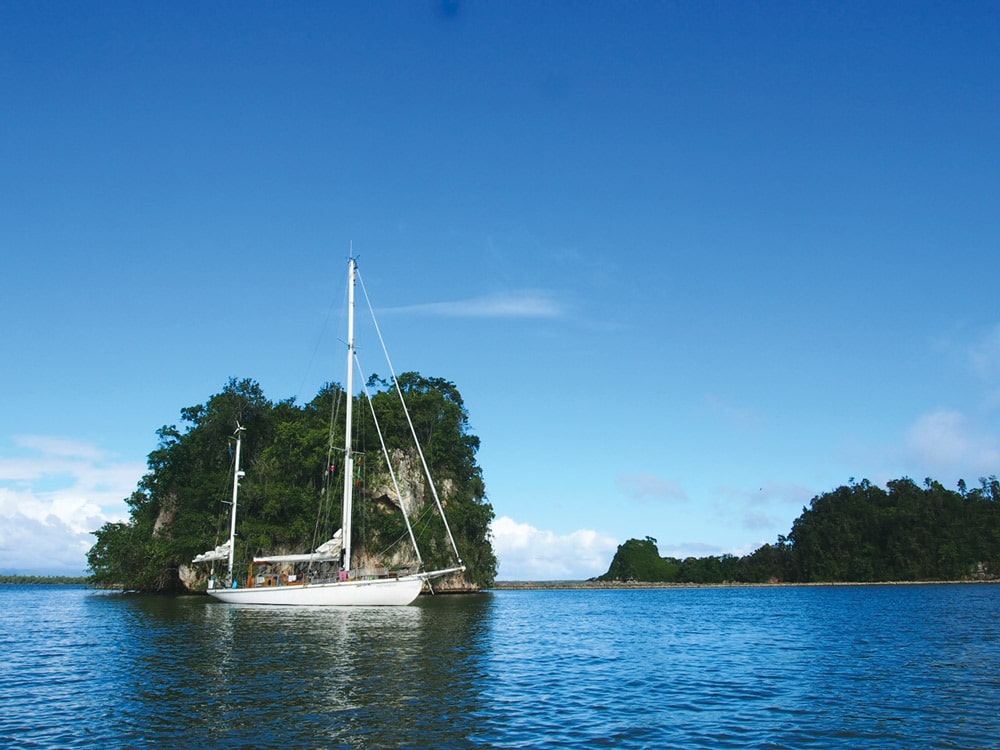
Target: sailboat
column 325, row 577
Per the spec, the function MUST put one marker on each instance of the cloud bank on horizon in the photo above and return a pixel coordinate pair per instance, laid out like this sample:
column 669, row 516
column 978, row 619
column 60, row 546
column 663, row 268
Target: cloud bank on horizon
column 55, row 491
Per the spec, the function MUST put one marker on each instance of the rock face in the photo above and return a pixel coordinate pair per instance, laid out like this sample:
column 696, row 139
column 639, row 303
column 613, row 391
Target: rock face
column 455, row 585
column 416, row 496
column 412, row 484
column 191, row 578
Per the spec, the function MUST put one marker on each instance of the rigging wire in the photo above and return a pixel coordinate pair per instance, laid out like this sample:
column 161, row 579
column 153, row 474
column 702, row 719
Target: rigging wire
column 321, row 531
column 388, row 462
column 406, row 411
column 334, row 310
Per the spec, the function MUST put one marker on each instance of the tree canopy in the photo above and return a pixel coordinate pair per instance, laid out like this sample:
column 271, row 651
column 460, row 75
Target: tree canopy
column 289, row 501
column 859, row 532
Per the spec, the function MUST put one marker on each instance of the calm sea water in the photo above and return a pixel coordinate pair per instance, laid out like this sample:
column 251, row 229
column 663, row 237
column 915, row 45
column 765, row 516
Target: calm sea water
column 810, row 667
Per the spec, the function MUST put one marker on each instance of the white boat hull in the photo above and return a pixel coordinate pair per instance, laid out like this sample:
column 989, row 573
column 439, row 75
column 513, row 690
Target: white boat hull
column 376, row 592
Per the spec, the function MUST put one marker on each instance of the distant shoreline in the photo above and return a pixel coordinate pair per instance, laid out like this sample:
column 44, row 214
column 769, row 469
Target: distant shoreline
column 599, row 585
column 16, row 580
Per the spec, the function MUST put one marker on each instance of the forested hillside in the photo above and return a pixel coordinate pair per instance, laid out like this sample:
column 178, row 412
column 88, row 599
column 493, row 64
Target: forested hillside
column 289, row 498
column 856, row 533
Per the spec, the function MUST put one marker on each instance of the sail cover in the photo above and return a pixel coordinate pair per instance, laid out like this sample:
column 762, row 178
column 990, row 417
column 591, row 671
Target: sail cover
column 333, row 545
column 219, row 553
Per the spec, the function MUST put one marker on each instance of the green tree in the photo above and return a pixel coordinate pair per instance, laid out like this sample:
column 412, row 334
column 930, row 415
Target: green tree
column 639, row 560
column 858, row 532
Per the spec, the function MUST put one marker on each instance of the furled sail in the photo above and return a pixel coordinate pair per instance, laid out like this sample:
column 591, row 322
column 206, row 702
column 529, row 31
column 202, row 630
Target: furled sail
column 333, row 545
column 219, row 553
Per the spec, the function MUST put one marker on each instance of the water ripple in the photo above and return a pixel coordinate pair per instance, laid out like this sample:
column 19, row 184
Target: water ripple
column 812, row 667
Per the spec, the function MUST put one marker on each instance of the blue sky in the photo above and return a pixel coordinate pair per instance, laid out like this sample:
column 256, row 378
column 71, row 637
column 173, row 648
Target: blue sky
column 689, row 264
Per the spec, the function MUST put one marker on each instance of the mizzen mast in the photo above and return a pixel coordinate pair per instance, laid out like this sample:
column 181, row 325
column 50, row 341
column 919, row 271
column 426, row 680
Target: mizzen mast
column 237, row 475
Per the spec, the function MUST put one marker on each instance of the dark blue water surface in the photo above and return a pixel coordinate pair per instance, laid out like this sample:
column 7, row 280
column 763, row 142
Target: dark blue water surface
column 785, row 667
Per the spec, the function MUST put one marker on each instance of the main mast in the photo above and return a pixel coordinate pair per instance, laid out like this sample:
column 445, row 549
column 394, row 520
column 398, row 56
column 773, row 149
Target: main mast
column 348, row 455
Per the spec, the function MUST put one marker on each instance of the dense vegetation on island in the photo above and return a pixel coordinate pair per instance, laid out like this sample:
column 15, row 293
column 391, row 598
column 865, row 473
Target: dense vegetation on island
column 290, row 496
column 55, row 580
column 857, row 533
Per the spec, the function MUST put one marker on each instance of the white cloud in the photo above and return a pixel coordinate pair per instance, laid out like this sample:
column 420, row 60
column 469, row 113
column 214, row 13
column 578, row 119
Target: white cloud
column 53, row 493
column 738, row 417
column 754, row 520
column 769, row 507
column 529, row 554
column 984, row 354
column 645, row 487
column 50, row 547
column 527, row 304
column 50, row 446
column 946, row 444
